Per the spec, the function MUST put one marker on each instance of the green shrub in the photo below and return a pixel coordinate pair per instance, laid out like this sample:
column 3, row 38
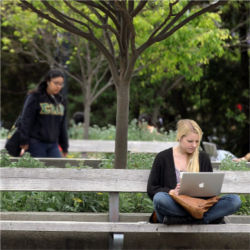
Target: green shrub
column 108, row 133
column 88, row 202
column 54, row 201
column 229, row 164
column 25, row 161
column 245, row 207
column 3, row 133
column 135, row 160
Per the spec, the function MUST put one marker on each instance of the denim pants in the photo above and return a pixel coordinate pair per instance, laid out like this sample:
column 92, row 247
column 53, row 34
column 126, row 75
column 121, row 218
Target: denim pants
column 164, row 205
column 43, row 149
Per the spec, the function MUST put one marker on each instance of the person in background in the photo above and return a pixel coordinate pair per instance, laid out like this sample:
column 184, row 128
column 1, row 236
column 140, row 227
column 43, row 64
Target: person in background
column 244, row 158
column 164, row 179
column 78, row 118
column 43, row 123
column 145, row 121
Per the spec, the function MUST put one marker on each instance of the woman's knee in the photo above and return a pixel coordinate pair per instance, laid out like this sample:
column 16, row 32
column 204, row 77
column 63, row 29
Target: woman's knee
column 157, row 198
column 235, row 201
column 160, row 199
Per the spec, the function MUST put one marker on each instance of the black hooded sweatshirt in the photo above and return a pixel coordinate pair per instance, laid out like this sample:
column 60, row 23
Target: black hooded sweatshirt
column 44, row 118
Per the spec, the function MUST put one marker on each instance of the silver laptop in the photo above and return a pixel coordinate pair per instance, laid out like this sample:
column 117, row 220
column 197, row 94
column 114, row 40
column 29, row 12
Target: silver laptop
column 202, row 184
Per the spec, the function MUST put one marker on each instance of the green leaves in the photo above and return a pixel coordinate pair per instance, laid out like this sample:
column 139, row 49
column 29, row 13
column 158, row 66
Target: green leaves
column 186, row 50
column 108, row 133
column 6, row 43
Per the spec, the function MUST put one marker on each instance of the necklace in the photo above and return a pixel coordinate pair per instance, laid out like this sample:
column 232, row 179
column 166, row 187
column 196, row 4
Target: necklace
column 180, row 160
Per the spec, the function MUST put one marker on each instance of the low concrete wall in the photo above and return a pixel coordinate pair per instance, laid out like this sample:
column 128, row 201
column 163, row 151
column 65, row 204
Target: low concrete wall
column 94, row 241
column 67, row 216
column 186, row 241
column 62, row 162
column 90, row 241
column 53, row 240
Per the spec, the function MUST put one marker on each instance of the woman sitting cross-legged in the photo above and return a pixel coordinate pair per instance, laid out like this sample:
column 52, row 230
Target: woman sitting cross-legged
column 164, row 179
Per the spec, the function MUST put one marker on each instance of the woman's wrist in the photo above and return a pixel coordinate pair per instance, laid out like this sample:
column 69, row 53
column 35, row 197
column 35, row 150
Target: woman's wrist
column 172, row 191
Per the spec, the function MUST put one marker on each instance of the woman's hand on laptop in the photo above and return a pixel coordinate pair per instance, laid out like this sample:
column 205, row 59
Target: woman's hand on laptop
column 176, row 190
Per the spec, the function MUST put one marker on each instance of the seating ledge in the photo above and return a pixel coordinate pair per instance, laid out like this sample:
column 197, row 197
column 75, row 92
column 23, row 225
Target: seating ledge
column 120, row 227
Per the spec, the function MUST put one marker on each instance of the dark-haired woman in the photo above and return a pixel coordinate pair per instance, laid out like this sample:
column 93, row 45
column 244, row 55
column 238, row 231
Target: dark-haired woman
column 43, row 124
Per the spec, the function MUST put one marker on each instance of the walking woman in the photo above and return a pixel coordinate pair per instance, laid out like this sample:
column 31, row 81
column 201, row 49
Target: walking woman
column 43, row 123
column 164, row 179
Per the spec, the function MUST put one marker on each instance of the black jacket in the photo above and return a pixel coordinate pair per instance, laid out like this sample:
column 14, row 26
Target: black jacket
column 162, row 177
column 44, row 118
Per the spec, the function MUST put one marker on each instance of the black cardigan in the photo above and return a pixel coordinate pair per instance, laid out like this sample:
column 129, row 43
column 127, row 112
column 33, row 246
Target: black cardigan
column 162, row 177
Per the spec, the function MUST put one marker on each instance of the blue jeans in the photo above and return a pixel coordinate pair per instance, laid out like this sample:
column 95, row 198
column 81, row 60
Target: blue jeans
column 164, row 205
column 43, row 149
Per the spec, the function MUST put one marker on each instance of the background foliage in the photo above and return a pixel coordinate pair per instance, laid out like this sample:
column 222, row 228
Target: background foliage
column 97, row 202
column 208, row 60
column 91, row 202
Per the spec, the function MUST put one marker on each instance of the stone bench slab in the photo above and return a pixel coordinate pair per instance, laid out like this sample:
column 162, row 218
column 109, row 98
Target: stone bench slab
column 120, row 227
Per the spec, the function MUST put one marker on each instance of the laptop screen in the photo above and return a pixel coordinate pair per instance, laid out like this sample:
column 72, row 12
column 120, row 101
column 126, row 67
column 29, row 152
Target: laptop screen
column 202, row 184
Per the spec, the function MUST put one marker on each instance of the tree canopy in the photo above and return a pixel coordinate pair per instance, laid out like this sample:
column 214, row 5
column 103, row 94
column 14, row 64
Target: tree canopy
column 122, row 45
column 183, row 55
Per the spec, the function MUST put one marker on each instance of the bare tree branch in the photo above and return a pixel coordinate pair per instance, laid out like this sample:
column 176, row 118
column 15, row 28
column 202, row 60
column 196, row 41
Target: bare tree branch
column 98, row 81
column 109, row 42
column 82, row 15
column 166, row 20
column 106, row 29
column 74, row 30
column 163, row 36
column 175, row 83
column 108, row 6
column 50, row 59
column 246, row 22
column 110, row 83
column 64, row 17
column 65, row 25
column 69, row 74
column 99, row 64
column 130, row 6
column 83, row 74
column 188, row 19
column 104, row 10
column 139, row 7
column 175, row 19
column 104, row 26
column 90, row 72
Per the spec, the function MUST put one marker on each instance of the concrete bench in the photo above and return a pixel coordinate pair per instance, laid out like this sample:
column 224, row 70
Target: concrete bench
column 91, row 162
column 113, row 181
column 210, row 149
column 104, row 146
column 108, row 146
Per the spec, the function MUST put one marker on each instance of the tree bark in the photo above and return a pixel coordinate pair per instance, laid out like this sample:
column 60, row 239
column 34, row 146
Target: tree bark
column 87, row 110
column 122, row 91
column 155, row 114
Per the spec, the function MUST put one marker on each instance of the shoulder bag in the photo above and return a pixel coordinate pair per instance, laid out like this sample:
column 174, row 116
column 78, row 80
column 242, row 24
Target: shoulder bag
column 196, row 207
column 13, row 139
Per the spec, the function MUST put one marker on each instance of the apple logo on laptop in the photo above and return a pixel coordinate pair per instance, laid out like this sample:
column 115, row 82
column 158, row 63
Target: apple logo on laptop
column 201, row 185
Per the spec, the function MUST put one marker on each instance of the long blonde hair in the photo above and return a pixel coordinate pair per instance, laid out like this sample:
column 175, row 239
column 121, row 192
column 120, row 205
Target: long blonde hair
column 185, row 126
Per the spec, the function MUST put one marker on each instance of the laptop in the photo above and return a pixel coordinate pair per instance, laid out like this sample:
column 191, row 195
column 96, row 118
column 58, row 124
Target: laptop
column 202, row 184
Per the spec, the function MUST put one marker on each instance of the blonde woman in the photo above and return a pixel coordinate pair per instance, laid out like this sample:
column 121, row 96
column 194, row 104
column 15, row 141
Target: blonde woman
column 165, row 177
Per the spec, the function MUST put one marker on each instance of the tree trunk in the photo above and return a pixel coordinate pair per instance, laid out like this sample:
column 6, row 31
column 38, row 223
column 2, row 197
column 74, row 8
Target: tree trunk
column 155, row 114
column 122, row 113
column 87, row 109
